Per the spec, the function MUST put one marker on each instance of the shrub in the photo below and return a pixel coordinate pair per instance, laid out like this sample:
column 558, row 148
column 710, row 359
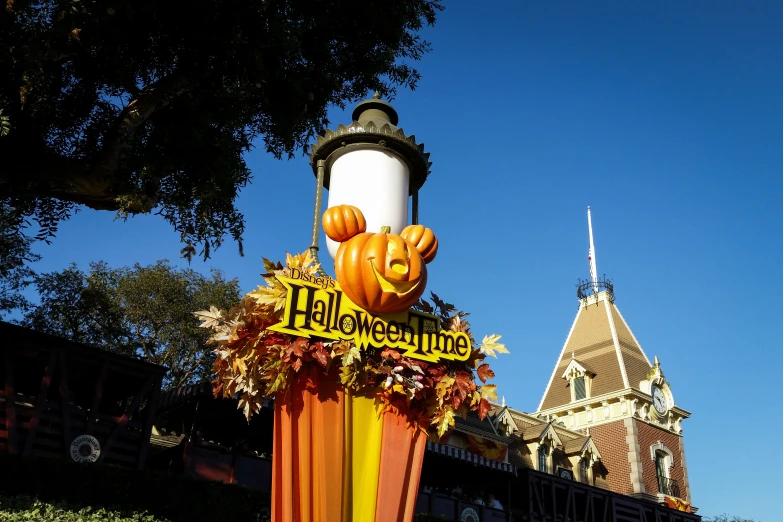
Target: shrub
column 27, row 509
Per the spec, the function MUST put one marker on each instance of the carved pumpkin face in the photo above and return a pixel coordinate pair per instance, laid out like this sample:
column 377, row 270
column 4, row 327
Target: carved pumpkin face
column 382, row 273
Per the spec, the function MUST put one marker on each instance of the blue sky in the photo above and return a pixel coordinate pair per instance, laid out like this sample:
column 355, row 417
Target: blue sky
column 665, row 118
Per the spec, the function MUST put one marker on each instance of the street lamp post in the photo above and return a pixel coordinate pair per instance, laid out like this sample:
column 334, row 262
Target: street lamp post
column 370, row 164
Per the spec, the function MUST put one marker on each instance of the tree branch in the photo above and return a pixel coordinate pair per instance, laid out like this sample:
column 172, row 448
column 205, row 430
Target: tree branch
column 155, row 96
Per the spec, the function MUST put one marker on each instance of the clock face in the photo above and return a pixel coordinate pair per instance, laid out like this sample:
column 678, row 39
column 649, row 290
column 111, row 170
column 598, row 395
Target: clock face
column 659, row 401
column 565, row 474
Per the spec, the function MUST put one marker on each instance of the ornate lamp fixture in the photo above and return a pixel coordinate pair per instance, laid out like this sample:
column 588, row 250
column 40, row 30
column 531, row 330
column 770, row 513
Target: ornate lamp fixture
column 370, row 164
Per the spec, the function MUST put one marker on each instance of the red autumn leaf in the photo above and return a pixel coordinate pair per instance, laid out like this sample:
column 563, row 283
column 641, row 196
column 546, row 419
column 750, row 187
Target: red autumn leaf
column 297, row 347
column 463, row 382
column 484, row 372
column 484, row 408
column 217, row 389
column 320, row 356
column 389, row 353
column 436, row 371
column 297, row 364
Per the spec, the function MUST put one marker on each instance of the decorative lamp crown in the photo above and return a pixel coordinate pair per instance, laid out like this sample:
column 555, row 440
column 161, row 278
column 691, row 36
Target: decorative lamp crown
column 374, row 122
column 372, row 165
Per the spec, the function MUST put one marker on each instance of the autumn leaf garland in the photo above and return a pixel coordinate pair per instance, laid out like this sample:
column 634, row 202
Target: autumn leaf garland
column 253, row 362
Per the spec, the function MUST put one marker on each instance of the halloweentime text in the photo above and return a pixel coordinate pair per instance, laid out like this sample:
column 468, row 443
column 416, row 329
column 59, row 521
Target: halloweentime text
column 317, row 306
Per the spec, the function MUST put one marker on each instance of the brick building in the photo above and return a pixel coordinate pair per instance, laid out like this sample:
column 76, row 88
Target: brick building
column 603, row 385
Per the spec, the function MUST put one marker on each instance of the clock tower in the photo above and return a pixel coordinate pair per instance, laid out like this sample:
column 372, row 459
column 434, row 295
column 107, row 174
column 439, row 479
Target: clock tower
column 604, row 384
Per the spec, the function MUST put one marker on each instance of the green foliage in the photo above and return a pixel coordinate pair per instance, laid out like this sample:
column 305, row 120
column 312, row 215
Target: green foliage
column 142, row 311
column 15, row 256
column 25, row 509
column 727, row 518
column 122, row 492
column 143, row 105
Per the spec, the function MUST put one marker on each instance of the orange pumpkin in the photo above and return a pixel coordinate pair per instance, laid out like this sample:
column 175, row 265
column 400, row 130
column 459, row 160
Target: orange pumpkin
column 382, row 273
column 423, row 239
column 342, row 222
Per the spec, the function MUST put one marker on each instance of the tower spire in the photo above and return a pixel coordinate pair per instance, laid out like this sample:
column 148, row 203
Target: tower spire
column 591, row 254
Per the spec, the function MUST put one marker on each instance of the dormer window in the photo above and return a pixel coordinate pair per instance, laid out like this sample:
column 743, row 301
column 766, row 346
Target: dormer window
column 580, row 389
column 543, row 456
column 579, row 378
column 584, row 470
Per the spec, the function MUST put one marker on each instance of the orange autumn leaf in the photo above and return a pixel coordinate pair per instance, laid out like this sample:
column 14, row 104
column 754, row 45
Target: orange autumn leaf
column 484, row 372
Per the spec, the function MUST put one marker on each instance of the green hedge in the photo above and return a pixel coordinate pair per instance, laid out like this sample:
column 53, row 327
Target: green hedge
column 26, row 509
column 160, row 495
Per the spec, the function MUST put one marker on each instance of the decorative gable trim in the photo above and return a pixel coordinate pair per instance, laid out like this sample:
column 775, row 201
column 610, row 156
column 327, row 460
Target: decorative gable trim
column 550, row 434
column 504, row 418
column 591, row 449
column 575, row 369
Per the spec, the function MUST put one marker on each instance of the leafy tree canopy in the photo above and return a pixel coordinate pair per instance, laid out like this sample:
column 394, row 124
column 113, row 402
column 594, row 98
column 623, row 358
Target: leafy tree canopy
column 147, row 105
column 141, row 311
column 727, row 518
column 15, row 257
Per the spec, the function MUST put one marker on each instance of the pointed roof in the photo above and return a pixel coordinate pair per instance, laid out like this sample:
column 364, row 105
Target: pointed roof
column 601, row 341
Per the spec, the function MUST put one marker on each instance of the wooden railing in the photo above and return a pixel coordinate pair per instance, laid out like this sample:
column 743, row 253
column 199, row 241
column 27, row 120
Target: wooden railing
column 541, row 497
column 551, row 498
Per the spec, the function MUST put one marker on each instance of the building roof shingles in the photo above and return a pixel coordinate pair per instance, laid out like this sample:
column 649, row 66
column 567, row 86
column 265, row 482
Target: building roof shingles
column 592, row 344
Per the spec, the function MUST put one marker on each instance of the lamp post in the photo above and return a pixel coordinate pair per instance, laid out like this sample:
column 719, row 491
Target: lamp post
column 370, row 164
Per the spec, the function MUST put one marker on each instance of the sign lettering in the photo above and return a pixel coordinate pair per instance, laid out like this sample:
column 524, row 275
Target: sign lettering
column 316, row 306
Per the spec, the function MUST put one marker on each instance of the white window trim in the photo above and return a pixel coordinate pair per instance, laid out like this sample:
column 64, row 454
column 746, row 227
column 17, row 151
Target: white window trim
column 668, row 459
column 574, row 370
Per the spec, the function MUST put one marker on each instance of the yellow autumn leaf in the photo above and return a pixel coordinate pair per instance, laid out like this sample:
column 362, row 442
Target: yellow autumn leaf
column 351, row 356
column 444, row 420
column 490, row 345
column 444, row 385
column 488, row 391
column 209, row 318
column 398, row 388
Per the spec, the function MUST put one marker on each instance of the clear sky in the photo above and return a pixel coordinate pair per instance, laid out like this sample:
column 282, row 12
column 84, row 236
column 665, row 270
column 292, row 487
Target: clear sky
column 667, row 119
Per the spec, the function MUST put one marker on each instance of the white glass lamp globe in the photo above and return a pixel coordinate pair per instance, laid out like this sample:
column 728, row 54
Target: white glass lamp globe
column 374, row 180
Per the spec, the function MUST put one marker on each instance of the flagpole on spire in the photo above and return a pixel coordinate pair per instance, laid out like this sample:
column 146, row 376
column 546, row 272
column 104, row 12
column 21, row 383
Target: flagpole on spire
column 591, row 254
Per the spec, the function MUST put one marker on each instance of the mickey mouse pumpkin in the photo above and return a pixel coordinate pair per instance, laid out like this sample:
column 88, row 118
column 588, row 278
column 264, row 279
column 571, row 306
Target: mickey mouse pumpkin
column 384, row 273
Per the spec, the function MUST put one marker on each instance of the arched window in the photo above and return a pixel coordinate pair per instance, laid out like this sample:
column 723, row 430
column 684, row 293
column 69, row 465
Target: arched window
column 661, row 464
column 543, row 453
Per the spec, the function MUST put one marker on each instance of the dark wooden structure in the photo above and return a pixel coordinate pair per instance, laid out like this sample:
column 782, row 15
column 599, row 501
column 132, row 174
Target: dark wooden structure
column 53, row 390
column 532, row 496
column 207, row 438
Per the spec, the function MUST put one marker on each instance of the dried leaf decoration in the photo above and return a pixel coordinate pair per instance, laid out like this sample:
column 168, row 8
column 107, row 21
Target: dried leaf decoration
column 252, row 362
column 490, row 345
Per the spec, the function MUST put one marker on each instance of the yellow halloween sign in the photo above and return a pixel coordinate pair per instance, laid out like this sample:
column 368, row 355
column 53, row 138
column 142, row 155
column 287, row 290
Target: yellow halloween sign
column 316, row 306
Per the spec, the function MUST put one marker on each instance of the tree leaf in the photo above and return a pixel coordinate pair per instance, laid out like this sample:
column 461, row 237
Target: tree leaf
column 484, row 372
column 210, row 318
column 490, row 345
column 488, row 392
column 484, row 407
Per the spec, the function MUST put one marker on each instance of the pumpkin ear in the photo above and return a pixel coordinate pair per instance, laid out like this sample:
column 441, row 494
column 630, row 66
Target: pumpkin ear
column 342, row 222
column 423, row 239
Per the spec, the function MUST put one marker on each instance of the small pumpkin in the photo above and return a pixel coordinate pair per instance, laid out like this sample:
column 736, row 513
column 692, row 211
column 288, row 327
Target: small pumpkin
column 342, row 222
column 382, row 273
column 423, row 239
